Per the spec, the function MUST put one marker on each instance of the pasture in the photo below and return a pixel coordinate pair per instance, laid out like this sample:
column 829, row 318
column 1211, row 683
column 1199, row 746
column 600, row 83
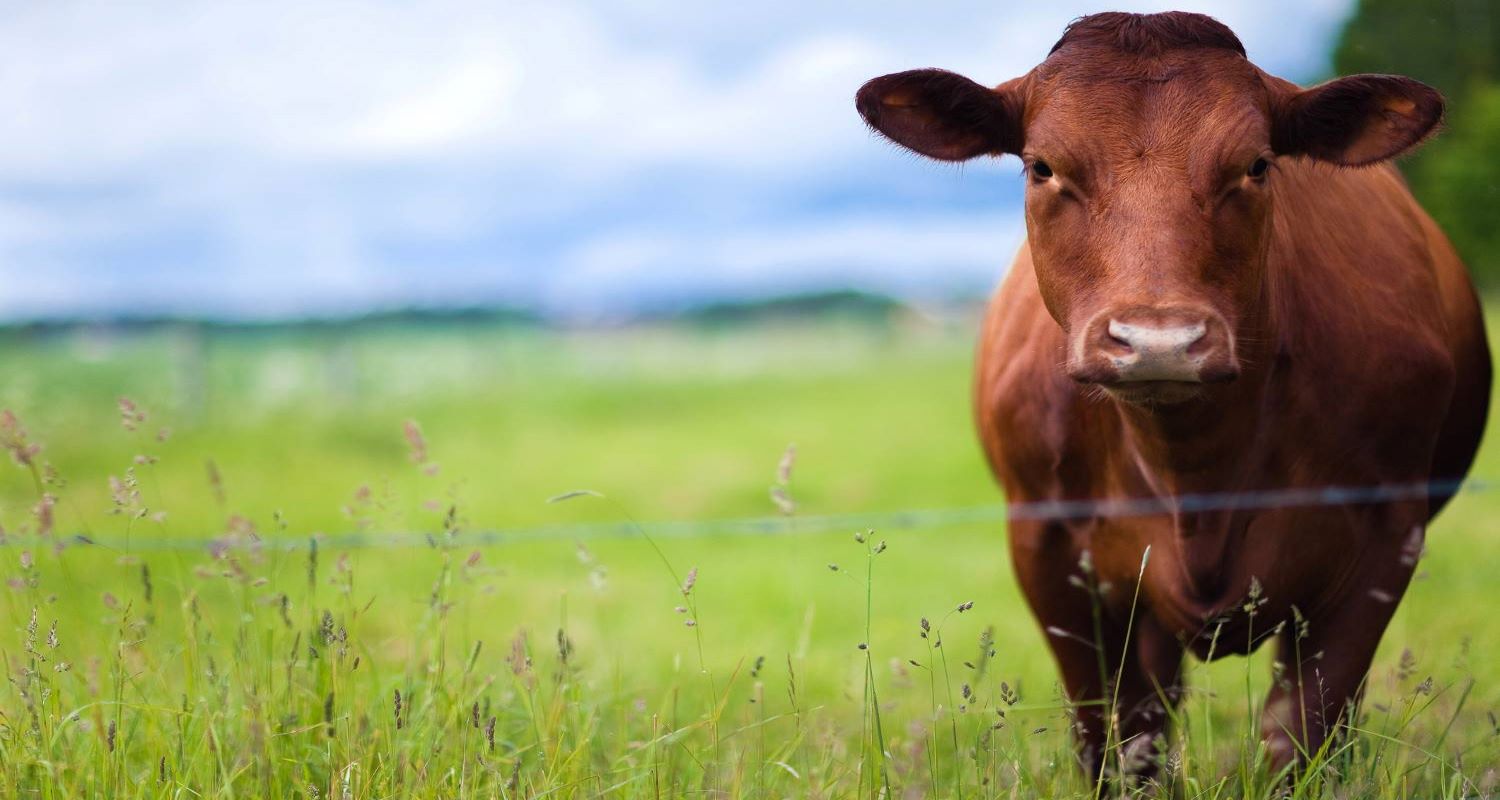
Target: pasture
column 407, row 655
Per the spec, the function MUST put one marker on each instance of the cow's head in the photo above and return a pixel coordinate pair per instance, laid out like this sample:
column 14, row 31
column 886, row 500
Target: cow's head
column 1152, row 149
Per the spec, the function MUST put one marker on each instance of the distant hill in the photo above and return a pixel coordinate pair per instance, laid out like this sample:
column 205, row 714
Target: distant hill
column 846, row 304
column 388, row 318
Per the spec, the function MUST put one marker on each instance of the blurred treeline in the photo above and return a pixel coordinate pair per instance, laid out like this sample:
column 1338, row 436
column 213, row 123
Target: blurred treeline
column 1454, row 45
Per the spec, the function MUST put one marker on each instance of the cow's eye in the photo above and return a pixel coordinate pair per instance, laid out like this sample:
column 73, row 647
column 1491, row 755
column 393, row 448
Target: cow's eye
column 1258, row 169
column 1040, row 170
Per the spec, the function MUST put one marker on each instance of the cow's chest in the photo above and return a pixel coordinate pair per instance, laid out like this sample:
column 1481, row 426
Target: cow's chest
column 1207, row 571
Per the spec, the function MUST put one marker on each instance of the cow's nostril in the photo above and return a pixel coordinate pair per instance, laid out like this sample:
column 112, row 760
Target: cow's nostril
column 1154, row 340
column 1201, row 345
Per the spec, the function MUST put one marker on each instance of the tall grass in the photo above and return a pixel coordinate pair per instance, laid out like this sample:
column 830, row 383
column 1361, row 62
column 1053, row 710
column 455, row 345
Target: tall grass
column 267, row 665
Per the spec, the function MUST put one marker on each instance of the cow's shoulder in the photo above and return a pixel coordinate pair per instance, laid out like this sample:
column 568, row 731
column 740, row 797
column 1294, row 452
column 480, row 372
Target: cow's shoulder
column 1352, row 269
column 1030, row 415
column 1362, row 321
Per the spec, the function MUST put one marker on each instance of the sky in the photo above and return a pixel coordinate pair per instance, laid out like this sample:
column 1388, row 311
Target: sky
column 582, row 158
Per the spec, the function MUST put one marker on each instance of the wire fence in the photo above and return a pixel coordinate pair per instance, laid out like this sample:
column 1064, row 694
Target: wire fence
column 915, row 519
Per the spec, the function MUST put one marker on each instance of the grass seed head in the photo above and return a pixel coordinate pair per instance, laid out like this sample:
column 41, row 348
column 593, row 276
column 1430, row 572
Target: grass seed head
column 131, row 415
column 520, row 660
column 416, row 441
column 782, row 499
column 43, row 513
column 215, row 481
column 784, row 466
column 14, row 439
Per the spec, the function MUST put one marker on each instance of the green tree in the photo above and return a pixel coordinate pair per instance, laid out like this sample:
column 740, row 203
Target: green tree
column 1459, row 182
column 1450, row 44
column 1454, row 45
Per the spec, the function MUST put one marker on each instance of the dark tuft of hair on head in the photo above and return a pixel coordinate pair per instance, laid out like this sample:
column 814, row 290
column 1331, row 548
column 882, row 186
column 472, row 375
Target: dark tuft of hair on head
column 1150, row 34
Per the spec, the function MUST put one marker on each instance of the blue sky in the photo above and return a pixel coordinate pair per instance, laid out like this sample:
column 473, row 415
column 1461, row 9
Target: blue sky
column 584, row 158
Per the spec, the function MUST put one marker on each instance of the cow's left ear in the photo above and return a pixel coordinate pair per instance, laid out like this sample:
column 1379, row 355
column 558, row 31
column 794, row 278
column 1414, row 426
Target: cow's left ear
column 1356, row 120
column 943, row 115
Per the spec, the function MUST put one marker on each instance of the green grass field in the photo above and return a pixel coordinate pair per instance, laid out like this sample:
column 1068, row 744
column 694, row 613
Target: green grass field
column 557, row 663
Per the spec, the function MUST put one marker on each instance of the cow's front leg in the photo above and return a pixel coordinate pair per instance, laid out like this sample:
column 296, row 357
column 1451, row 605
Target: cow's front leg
column 1148, row 689
column 1323, row 659
column 1121, row 690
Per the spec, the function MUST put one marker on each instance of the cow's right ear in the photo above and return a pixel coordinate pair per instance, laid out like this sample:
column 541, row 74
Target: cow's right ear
column 943, row 115
column 1354, row 121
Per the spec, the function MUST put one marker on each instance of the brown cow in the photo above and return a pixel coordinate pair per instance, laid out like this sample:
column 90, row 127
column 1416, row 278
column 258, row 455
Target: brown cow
column 1225, row 289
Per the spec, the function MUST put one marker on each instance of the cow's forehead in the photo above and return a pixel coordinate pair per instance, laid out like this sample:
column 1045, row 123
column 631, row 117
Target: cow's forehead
column 1110, row 102
column 1098, row 63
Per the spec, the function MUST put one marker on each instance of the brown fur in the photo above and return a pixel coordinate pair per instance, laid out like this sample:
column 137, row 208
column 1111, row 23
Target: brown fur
column 1349, row 325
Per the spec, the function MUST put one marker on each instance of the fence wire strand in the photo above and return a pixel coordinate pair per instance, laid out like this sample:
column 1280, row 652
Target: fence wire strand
column 912, row 519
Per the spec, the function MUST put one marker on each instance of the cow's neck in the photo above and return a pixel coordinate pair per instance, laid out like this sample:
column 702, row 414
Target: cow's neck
column 1188, row 447
column 1209, row 447
column 1212, row 444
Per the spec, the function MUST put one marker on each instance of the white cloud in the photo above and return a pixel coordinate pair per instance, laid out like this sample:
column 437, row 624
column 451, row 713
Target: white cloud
column 287, row 153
